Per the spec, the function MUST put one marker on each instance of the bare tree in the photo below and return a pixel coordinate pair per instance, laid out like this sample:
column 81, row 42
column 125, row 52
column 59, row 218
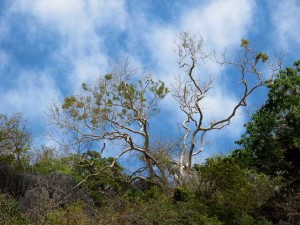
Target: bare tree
column 190, row 90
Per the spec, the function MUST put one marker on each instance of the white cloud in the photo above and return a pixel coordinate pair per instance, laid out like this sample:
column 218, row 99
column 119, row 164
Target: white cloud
column 217, row 104
column 221, row 23
column 76, row 16
column 31, row 94
column 286, row 19
column 78, row 23
column 79, row 27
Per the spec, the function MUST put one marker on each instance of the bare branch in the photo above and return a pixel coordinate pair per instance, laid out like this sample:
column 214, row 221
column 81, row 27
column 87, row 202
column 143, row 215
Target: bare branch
column 189, row 92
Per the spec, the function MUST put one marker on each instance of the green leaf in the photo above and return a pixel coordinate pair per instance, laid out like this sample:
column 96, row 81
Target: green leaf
column 108, row 76
column 244, row 43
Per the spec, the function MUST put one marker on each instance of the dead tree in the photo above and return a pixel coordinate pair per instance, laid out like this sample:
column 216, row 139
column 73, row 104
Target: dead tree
column 190, row 90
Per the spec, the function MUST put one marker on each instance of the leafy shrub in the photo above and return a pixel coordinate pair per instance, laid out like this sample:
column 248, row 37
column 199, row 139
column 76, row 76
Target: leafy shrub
column 100, row 179
column 230, row 192
column 10, row 213
column 74, row 214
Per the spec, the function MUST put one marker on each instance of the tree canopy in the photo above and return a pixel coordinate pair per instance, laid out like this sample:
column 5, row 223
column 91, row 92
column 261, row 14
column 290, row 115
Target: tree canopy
column 271, row 143
column 15, row 140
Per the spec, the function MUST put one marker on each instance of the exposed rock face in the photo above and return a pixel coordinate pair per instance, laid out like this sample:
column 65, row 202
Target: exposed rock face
column 15, row 183
column 50, row 192
column 39, row 194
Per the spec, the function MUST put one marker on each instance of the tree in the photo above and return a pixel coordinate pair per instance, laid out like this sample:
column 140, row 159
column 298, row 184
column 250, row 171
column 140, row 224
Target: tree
column 15, row 140
column 115, row 112
column 190, row 91
column 230, row 192
column 271, row 143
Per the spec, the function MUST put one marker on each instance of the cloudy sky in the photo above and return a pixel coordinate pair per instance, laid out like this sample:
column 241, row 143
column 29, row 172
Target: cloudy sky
column 49, row 47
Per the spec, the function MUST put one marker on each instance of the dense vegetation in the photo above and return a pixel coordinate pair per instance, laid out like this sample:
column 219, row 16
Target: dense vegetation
column 258, row 184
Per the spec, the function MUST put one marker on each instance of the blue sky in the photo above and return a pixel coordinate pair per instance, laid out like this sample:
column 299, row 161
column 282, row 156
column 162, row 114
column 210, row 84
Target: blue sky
column 49, row 47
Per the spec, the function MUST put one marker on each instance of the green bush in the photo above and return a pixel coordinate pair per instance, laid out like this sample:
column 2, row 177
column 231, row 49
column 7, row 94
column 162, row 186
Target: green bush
column 249, row 220
column 230, row 192
column 100, row 180
column 74, row 214
column 10, row 213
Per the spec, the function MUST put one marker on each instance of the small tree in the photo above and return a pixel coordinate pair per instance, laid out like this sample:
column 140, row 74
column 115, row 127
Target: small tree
column 15, row 140
column 115, row 110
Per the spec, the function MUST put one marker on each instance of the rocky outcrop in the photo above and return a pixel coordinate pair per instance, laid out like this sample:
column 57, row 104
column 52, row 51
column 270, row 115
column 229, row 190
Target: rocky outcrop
column 39, row 194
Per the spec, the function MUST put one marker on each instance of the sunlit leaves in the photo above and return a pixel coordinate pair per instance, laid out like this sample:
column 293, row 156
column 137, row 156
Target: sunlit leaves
column 69, row 101
column 108, row 76
column 261, row 56
column 112, row 101
column 80, row 105
column 84, row 86
column 244, row 43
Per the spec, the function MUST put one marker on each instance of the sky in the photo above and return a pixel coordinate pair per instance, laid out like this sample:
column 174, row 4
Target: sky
column 49, row 47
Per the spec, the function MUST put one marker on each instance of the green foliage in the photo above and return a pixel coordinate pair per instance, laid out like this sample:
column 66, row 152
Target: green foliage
column 261, row 56
column 271, row 143
column 15, row 141
column 69, row 102
column 108, row 76
column 249, row 220
column 181, row 194
column 157, row 206
column 46, row 162
column 74, row 214
column 259, row 181
column 10, row 213
column 244, row 43
column 61, row 165
column 101, row 178
column 226, row 194
column 117, row 108
column 231, row 192
column 9, row 159
column 111, row 100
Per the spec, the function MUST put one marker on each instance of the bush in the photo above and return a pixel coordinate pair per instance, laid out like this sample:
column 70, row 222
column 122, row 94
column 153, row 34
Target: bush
column 104, row 182
column 10, row 213
column 230, row 192
column 74, row 214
